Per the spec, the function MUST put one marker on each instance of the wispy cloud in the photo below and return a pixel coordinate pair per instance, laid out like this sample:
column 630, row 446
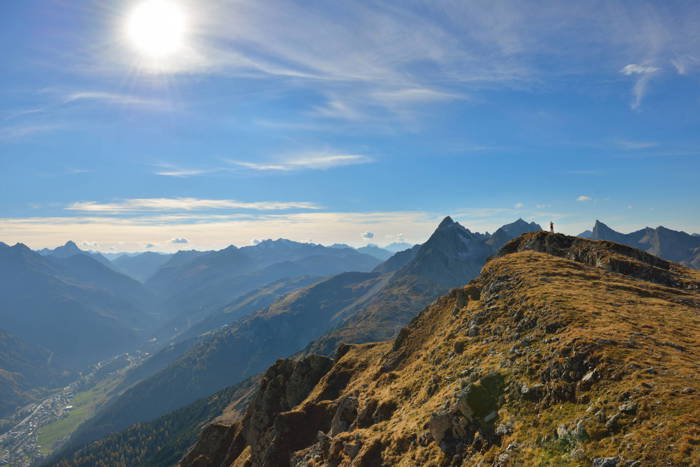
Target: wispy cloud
column 634, row 69
column 18, row 132
column 584, row 198
column 184, row 204
column 314, row 161
column 42, row 119
column 113, row 99
column 170, row 170
column 644, row 74
column 635, row 145
column 363, row 56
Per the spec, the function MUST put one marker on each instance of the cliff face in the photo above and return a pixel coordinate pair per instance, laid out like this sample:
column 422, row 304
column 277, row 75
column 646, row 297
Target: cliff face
column 264, row 436
column 563, row 351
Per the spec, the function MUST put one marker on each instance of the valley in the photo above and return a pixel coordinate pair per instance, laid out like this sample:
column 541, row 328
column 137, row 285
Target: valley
column 37, row 430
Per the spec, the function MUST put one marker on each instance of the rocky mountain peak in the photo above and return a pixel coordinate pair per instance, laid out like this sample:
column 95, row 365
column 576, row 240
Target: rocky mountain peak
column 446, row 222
column 599, row 226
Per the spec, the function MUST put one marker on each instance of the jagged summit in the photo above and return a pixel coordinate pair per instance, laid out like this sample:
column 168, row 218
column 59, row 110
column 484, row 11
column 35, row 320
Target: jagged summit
column 512, row 230
column 446, row 222
column 66, row 250
column 450, row 256
column 661, row 241
column 278, row 242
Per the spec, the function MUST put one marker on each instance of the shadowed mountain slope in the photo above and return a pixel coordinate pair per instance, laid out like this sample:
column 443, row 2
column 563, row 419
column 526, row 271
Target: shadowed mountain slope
column 563, row 351
column 193, row 289
column 141, row 266
column 232, row 354
column 161, row 442
column 450, row 257
column 71, row 249
column 665, row 243
column 23, row 369
column 373, row 250
column 75, row 307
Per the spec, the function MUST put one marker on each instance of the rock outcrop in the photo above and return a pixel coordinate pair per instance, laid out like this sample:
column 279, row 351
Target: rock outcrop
column 267, row 431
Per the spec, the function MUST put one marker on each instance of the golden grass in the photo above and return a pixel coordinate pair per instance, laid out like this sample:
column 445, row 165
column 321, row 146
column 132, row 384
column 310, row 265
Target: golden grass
column 629, row 325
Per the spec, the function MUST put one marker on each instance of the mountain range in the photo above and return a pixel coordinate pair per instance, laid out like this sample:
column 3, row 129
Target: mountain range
column 220, row 318
column 73, row 306
column 71, row 249
column 352, row 307
column 665, row 243
column 192, row 289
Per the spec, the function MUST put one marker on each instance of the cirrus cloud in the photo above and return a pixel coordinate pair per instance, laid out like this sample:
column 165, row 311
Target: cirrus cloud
column 185, row 204
column 315, row 161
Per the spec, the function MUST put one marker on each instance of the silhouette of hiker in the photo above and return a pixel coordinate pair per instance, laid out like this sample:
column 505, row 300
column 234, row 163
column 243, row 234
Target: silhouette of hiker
column 551, row 227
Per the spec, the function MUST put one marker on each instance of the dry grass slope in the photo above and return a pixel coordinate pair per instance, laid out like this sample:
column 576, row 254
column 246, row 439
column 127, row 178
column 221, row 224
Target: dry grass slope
column 545, row 359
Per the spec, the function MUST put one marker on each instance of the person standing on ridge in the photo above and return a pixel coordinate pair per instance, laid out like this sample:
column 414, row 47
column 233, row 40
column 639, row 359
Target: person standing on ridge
column 551, row 227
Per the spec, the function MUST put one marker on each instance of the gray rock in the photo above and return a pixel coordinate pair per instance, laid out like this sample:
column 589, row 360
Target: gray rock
column 606, row 461
column 628, row 408
column 600, row 416
column 588, row 379
column 344, row 415
column 438, row 425
column 580, row 432
column 562, row 432
column 502, row 459
column 532, row 393
column 612, row 423
column 504, row 429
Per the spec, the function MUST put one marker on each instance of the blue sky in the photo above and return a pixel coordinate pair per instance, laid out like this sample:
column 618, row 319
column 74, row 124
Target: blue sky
column 324, row 121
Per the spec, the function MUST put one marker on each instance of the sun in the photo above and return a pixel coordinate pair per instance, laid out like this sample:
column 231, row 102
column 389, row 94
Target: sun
column 157, row 28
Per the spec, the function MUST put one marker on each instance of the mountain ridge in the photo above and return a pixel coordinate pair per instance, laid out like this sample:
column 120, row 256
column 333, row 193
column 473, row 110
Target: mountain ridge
column 663, row 242
column 544, row 358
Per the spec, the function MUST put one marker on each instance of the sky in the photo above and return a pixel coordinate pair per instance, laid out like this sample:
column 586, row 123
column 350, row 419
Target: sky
column 229, row 121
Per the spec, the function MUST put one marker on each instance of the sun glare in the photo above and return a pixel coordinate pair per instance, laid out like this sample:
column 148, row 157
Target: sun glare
column 157, row 28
